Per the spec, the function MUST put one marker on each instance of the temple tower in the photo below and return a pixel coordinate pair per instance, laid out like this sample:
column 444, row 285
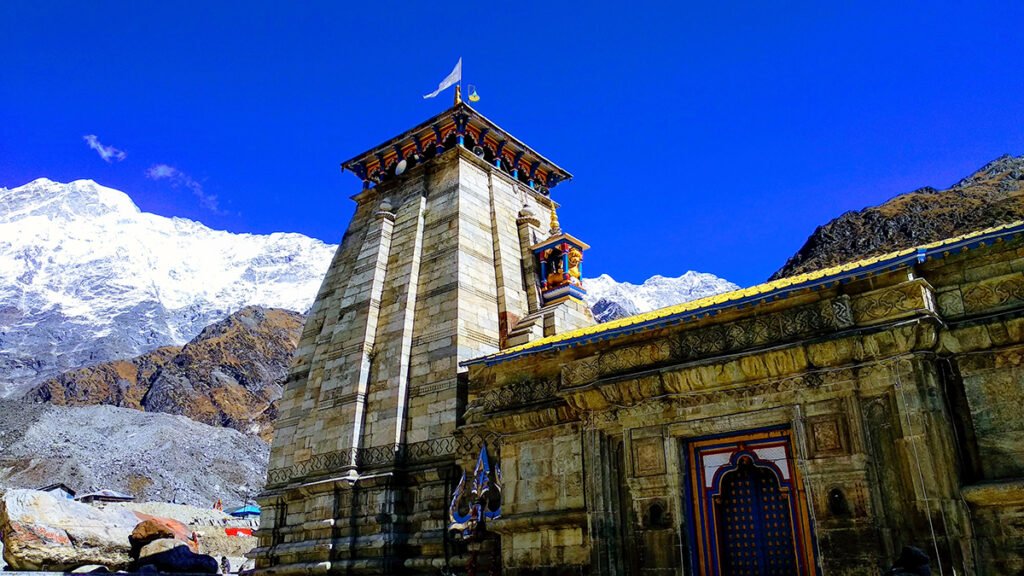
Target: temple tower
column 441, row 263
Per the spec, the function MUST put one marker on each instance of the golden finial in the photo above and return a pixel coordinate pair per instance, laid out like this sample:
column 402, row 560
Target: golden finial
column 458, row 93
column 555, row 228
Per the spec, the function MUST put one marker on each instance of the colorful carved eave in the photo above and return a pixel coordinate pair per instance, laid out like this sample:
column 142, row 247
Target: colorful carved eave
column 558, row 239
column 459, row 125
column 762, row 293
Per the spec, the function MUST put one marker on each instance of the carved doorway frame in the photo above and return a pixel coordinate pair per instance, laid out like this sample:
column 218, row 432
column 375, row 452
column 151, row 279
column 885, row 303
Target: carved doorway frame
column 709, row 459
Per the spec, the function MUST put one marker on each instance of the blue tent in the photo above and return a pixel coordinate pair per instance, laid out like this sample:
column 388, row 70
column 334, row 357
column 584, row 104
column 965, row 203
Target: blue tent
column 246, row 511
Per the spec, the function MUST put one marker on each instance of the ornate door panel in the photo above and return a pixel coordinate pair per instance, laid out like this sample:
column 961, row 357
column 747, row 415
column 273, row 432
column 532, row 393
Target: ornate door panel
column 747, row 507
column 755, row 534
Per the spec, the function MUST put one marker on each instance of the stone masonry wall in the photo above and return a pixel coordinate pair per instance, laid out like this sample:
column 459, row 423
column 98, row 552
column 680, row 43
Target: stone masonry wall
column 898, row 392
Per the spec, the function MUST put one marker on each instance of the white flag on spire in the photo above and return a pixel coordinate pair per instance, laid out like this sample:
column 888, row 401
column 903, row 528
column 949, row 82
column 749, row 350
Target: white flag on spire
column 452, row 78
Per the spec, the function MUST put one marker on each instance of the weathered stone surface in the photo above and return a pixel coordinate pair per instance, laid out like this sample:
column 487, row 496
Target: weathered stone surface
column 42, row 532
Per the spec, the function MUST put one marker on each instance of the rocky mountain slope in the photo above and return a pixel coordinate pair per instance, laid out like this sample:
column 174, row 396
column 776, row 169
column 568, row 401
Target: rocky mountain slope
column 229, row 375
column 610, row 300
column 992, row 195
column 86, row 277
column 151, row 456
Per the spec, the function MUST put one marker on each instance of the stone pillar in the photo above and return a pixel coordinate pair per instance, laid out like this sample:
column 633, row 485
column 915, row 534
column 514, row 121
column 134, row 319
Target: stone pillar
column 528, row 226
column 373, row 260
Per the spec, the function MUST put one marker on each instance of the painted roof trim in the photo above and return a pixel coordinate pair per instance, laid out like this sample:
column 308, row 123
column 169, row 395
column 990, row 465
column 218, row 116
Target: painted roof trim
column 759, row 294
column 558, row 239
column 388, row 145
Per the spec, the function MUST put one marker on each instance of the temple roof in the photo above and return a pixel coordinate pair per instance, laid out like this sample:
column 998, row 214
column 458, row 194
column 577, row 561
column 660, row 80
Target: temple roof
column 761, row 293
column 480, row 135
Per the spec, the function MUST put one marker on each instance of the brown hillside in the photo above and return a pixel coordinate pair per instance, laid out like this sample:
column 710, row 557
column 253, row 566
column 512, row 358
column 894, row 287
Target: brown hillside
column 229, row 375
column 119, row 383
column 992, row 195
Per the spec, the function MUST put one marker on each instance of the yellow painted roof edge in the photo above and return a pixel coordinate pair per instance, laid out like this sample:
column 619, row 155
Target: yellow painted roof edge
column 742, row 293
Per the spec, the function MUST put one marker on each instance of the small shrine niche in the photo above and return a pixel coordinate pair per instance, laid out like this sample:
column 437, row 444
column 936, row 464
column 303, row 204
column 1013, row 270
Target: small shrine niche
column 560, row 264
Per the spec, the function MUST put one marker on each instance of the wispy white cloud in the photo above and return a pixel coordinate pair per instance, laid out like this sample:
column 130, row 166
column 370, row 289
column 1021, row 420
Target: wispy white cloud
column 108, row 153
column 178, row 178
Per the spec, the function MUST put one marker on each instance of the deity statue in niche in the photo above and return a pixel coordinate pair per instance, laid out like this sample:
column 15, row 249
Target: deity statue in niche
column 561, row 268
column 575, row 258
column 554, row 262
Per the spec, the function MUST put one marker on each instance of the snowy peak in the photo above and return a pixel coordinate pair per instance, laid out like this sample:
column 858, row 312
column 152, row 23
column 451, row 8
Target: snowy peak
column 45, row 198
column 610, row 300
column 87, row 277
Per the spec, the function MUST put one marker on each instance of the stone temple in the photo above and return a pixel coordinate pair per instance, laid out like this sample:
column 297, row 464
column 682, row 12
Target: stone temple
column 452, row 407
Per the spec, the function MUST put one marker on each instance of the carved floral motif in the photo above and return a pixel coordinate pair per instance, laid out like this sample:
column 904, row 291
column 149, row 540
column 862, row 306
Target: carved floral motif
column 646, row 354
column 761, row 330
column 580, row 372
column 520, row 393
column 890, row 302
column 989, row 295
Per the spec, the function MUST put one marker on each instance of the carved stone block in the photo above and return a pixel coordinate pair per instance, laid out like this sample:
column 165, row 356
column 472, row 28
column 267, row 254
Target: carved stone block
column 648, row 456
column 828, row 435
column 579, row 372
column 623, row 359
column 782, row 326
column 892, row 303
column 994, row 294
column 519, row 394
column 951, row 303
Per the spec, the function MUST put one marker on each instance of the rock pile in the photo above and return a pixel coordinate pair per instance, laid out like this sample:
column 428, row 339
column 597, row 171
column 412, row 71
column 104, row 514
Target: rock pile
column 165, row 545
column 44, row 532
column 154, row 457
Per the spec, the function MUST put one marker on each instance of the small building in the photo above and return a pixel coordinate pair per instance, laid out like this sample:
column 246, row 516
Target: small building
column 60, row 490
column 105, row 495
column 247, row 511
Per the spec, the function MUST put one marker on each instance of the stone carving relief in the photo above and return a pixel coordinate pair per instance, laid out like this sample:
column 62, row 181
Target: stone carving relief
column 647, row 354
column 714, row 340
column 580, row 372
column 809, row 380
column 996, row 294
column 890, row 302
column 951, row 303
column 648, row 456
column 758, row 331
column 828, row 435
column 520, row 393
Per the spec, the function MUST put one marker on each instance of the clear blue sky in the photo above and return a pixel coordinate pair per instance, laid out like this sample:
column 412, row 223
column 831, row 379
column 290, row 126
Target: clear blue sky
column 711, row 136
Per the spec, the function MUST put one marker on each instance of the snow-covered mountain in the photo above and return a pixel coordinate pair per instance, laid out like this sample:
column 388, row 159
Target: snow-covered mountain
column 610, row 300
column 86, row 277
